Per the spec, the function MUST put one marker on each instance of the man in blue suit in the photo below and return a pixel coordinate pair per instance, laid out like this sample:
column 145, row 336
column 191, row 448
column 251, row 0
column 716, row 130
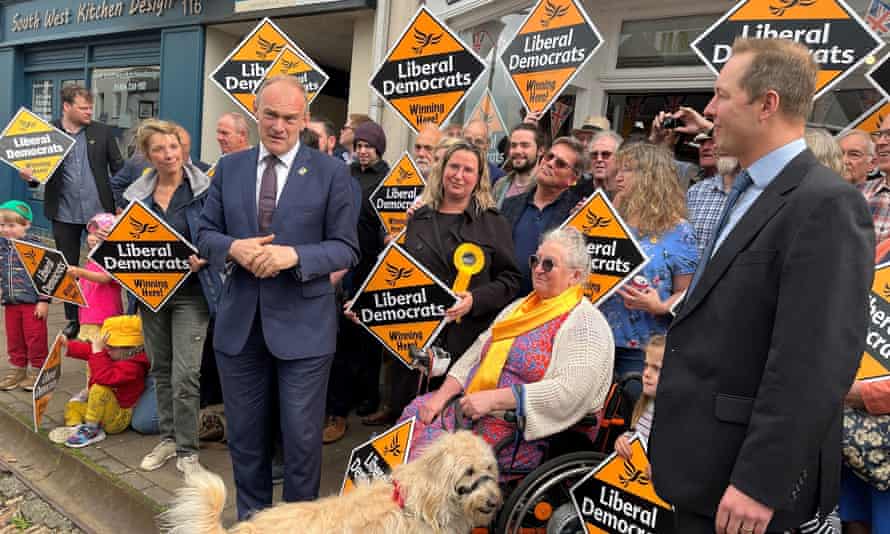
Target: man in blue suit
column 279, row 218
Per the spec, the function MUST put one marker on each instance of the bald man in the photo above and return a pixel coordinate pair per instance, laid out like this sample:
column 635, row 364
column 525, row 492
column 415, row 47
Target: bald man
column 232, row 133
column 476, row 133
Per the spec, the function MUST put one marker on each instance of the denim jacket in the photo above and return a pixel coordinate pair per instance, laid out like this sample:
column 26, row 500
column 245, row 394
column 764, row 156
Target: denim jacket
column 143, row 188
column 14, row 280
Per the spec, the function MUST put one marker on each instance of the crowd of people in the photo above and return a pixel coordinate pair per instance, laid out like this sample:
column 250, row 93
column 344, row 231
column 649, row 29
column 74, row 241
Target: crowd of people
column 748, row 319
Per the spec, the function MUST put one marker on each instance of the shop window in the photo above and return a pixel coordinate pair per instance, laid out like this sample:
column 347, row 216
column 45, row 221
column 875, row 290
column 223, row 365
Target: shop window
column 42, row 95
column 661, row 42
column 122, row 97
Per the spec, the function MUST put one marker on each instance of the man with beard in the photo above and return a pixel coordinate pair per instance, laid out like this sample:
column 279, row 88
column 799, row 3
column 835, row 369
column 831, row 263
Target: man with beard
column 526, row 146
column 424, row 146
column 326, row 132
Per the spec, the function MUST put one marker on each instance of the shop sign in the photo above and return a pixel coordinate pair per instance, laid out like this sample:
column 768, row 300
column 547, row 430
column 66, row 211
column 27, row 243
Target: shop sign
column 617, row 496
column 294, row 62
column 396, row 193
column 48, row 271
column 401, row 303
column 30, row 17
column 427, row 73
column 551, row 46
column 615, row 255
column 376, row 458
column 145, row 255
column 47, row 380
column 838, row 39
column 243, row 6
column 29, row 142
column 871, row 119
column 875, row 364
column 241, row 73
column 487, row 111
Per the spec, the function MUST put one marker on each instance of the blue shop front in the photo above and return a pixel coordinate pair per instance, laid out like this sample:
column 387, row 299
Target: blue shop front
column 139, row 58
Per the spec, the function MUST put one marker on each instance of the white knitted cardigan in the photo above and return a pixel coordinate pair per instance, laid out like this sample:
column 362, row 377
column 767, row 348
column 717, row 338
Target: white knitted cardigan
column 576, row 381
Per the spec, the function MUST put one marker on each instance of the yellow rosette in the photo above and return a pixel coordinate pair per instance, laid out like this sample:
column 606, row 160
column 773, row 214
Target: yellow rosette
column 469, row 260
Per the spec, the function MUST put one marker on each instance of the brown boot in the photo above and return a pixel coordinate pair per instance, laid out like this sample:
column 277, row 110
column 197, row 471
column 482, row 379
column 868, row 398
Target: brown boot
column 29, row 380
column 12, row 378
column 334, row 429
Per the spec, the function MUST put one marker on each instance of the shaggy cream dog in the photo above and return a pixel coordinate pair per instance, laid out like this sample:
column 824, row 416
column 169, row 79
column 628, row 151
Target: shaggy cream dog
column 449, row 489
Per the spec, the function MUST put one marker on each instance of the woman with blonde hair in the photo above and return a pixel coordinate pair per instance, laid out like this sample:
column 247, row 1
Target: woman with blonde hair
column 825, row 148
column 650, row 200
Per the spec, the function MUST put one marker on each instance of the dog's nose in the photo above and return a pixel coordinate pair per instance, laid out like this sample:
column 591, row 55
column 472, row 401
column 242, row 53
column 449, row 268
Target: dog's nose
column 492, row 503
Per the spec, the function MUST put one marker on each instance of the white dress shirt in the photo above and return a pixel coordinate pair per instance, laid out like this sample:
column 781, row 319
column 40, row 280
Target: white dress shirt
column 282, row 170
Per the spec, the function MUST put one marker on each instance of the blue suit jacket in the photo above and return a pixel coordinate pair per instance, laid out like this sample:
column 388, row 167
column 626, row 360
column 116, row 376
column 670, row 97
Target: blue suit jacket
column 316, row 214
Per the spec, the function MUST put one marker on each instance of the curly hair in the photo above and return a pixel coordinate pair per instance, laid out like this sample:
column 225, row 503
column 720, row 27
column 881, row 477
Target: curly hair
column 654, row 201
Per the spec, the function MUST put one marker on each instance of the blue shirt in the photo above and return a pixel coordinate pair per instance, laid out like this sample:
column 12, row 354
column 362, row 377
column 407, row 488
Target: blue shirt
column 494, row 172
column 704, row 202
column 527, row 236
column 673, row 253
column 79, row 198
column 763, row 172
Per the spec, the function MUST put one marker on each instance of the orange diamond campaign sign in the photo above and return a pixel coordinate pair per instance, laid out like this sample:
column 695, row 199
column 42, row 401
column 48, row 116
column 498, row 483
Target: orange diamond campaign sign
column 401, row 303
column 47, row 380
column 875, row 363
column 487, row 111
column 395, row 194
column 618, row 496
column 145, row 255
column 838, row 39
column 294, row 62
column 871, row 119
column 427, row 73
column 29, row 142
column 551, row 46
column 48, row 271
column 375, row 459
column 615, row 255
column 241, row 73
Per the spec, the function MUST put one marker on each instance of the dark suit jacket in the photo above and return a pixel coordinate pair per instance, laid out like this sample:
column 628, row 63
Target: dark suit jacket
column 105, row 160
column 316, row 215
column 763, row 350
column 493, row 288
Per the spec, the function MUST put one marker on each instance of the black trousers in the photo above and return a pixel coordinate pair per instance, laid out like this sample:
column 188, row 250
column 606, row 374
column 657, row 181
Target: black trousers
column 211, row 388
column 68, row 238
column 355, row 372
column 692, row 523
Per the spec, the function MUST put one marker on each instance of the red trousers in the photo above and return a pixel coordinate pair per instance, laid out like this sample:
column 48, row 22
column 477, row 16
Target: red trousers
column 25, row 336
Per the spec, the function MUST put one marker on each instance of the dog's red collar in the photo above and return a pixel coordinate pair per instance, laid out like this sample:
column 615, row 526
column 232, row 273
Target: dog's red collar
column 397, row 495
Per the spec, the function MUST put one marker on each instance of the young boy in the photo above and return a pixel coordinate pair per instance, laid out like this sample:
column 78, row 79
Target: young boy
column 24, row 309
column 118, row 366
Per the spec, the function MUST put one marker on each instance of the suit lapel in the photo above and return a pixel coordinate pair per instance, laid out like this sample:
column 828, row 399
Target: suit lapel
column 764, row 208
column 249, row 188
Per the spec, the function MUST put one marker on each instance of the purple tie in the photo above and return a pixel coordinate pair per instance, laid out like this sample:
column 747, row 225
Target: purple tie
column 268, row 190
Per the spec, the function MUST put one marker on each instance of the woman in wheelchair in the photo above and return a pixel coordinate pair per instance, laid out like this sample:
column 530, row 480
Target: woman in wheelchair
column 548, row 357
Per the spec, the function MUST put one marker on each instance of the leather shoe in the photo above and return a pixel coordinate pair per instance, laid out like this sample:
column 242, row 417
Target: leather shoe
column 334, row 429
column 71, row 329
column 380, row 418
column 366, row 407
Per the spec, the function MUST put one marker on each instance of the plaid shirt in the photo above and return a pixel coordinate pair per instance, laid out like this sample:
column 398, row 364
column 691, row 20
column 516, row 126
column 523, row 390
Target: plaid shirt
column 704, row 202
column 877, row 195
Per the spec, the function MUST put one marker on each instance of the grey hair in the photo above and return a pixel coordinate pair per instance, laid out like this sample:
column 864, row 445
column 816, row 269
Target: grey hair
column 238, row 121
column 608, row 134
column 850, row 133
column 825, row 148
column 281, row 78
column 575, row 245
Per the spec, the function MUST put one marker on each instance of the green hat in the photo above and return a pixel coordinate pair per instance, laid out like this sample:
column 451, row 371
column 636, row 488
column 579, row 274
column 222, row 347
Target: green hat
column 22, row 208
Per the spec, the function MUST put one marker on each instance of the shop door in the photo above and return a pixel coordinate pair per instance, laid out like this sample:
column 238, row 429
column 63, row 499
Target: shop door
column 44, row 99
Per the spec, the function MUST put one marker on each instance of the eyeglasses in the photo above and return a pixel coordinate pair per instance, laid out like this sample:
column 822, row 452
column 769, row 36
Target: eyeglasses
column 878, row 134
column 559, row 162
column 604, row 155
column 547, row 264
column 346, row 127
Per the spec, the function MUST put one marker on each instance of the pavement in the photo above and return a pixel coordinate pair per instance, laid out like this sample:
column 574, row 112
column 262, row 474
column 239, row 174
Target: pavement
column 119, row 455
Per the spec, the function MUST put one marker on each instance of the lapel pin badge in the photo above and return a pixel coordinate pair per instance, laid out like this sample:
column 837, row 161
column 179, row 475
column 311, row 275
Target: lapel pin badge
column 92, row 141
column 302, row 171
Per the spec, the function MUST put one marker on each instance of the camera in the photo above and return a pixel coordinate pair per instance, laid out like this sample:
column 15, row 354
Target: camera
column 669, row 123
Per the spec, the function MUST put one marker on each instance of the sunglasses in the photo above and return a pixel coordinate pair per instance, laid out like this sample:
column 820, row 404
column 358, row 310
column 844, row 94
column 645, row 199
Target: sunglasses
column 559, row 162
column 604, row 155
column 547, row 264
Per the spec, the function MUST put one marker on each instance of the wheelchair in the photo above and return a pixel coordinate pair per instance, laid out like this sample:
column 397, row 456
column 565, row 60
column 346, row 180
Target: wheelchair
column 538, row 501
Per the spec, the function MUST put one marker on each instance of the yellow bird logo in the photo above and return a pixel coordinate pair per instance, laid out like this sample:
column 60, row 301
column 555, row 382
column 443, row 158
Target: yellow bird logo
column 887, row 291
column 424, row 40
column 785, row 5
column 27, row 125
column 30, row 255
column 632, row 475
column 394, row 447
column 267, row 47
column 403, row 175
column 595, row 221
column 553, row 11
column 289, row 66
column 138, row 228
column 397, row 273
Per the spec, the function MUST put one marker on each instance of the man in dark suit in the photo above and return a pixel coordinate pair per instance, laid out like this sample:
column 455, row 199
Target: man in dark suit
column 80, row 187
column 280, row 218
column 746, row 436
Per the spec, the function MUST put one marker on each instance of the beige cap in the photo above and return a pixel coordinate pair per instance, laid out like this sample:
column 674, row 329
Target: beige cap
column 594, row 123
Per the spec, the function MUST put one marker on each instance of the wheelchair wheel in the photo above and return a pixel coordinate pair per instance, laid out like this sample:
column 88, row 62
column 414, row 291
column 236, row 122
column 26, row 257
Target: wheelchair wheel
column 541, row 504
